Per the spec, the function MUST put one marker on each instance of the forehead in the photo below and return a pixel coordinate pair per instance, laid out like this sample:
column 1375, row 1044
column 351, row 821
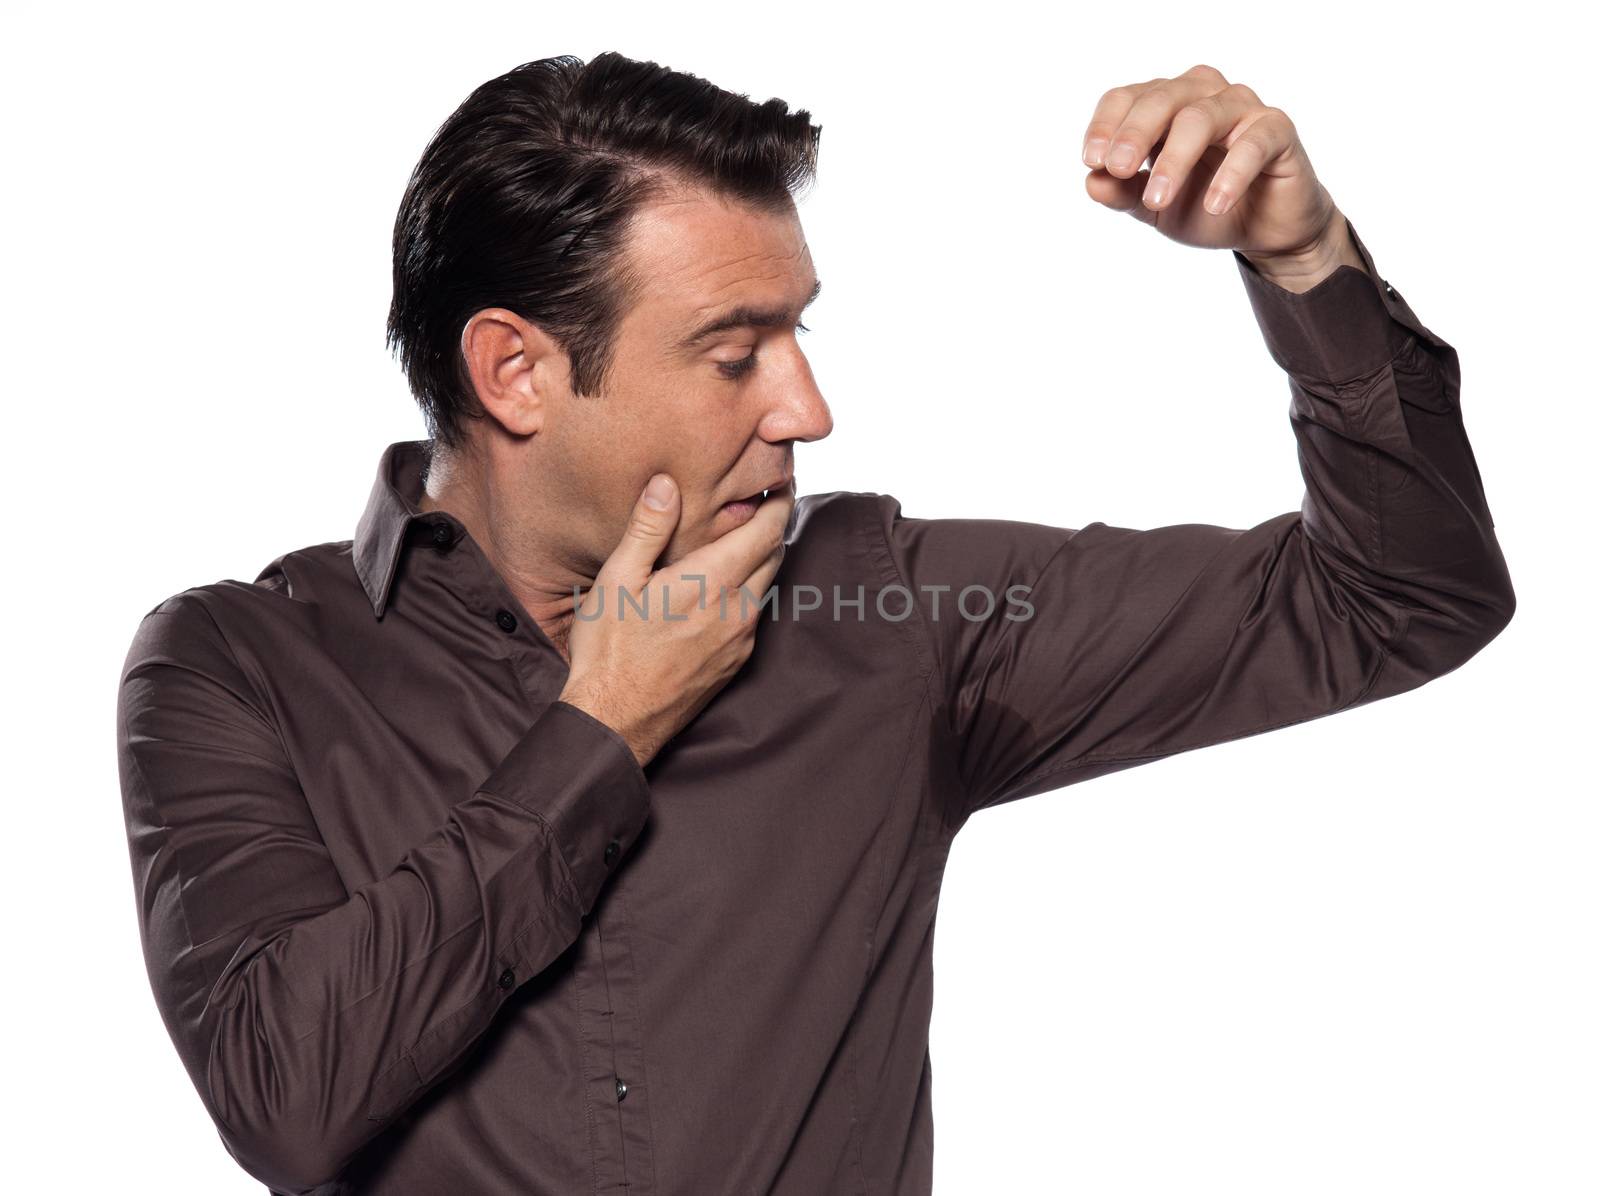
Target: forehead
column 695, row 254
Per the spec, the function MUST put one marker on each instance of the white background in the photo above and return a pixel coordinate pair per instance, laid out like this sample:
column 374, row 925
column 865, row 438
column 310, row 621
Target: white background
column 1356, row 955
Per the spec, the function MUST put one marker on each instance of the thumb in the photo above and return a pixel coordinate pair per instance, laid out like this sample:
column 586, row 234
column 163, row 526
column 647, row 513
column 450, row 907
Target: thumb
column 1122, row 195
column 649, row 527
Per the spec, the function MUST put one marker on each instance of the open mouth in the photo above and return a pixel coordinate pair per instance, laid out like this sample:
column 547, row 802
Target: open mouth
column 747, row 506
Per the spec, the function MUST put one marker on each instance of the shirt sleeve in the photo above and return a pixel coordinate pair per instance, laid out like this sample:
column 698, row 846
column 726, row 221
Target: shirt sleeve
column 1131, row 645
column 308, row 1015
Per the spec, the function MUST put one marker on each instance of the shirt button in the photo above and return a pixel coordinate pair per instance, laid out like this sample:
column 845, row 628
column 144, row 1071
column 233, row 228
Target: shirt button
column 1387, row 289
column 443, row 538
column 507, row 978
column 622, row 1089
column 507, row 620
column 611, row 851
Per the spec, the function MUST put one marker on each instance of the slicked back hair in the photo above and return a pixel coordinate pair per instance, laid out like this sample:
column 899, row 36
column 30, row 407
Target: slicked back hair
column 523, row 199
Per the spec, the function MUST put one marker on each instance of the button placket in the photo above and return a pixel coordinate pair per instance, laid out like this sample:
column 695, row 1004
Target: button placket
column 617, row 1093
column 536, row 666
column 486, row 593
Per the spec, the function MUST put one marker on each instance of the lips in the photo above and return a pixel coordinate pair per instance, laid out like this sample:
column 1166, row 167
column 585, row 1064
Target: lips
column 760, row 495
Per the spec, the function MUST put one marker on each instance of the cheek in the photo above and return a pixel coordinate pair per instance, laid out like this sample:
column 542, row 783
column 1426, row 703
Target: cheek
column 686, row 421
column 694, row 419
column 637, row 429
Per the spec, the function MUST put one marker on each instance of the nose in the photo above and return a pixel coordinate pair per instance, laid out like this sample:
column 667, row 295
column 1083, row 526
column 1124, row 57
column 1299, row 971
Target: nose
column 797, row 411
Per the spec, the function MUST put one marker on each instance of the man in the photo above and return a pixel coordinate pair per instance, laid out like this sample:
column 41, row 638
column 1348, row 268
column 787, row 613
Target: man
column 496, row 851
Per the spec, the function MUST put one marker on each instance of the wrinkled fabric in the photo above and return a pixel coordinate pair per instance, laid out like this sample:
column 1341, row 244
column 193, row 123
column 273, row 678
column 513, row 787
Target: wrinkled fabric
column 415, row 925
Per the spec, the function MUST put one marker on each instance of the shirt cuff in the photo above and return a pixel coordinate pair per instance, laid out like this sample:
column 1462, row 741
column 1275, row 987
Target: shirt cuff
column 1348, row 325
column 583, row 779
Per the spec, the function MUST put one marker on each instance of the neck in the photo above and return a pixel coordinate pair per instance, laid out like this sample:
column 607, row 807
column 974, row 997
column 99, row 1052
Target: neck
column 498, row 514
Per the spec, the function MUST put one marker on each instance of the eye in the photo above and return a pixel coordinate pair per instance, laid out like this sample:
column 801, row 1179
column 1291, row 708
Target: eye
column 739, row 368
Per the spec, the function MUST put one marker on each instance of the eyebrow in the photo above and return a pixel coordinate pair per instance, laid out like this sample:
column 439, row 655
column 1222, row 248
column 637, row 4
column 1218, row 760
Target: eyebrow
column 746, row 316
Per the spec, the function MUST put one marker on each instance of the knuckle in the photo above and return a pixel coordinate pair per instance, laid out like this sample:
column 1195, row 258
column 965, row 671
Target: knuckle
column 640, row 527
column 1252, row 142
column 1205, row 71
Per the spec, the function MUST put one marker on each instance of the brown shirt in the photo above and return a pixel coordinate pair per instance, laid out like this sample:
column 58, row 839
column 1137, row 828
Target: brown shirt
column 414, row 926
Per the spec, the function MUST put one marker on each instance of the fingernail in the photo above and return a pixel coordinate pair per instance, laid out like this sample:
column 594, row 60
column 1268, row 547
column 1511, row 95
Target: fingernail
column 1157, row 190
column 1093, row 150
column 1216, row 201
column 659, row 492
column 1121, row 157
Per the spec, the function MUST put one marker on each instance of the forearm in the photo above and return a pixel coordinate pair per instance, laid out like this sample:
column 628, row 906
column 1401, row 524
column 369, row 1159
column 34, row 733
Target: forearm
column 1394, row 512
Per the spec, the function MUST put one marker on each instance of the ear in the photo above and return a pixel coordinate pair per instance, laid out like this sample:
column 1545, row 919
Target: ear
column 516, row 368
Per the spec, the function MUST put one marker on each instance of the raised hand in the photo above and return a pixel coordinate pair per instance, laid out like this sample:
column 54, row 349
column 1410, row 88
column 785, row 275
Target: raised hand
column 1226, row 172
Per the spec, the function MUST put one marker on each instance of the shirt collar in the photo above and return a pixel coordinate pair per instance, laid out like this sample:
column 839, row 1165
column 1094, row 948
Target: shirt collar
column 391, row 506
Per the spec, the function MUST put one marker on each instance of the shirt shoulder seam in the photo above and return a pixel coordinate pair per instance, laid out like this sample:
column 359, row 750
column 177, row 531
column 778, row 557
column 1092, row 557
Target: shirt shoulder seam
column 876, row 543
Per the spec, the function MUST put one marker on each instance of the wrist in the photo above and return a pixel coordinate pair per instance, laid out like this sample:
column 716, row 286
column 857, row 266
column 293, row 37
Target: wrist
column 1299, row 270
column 625, row 728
